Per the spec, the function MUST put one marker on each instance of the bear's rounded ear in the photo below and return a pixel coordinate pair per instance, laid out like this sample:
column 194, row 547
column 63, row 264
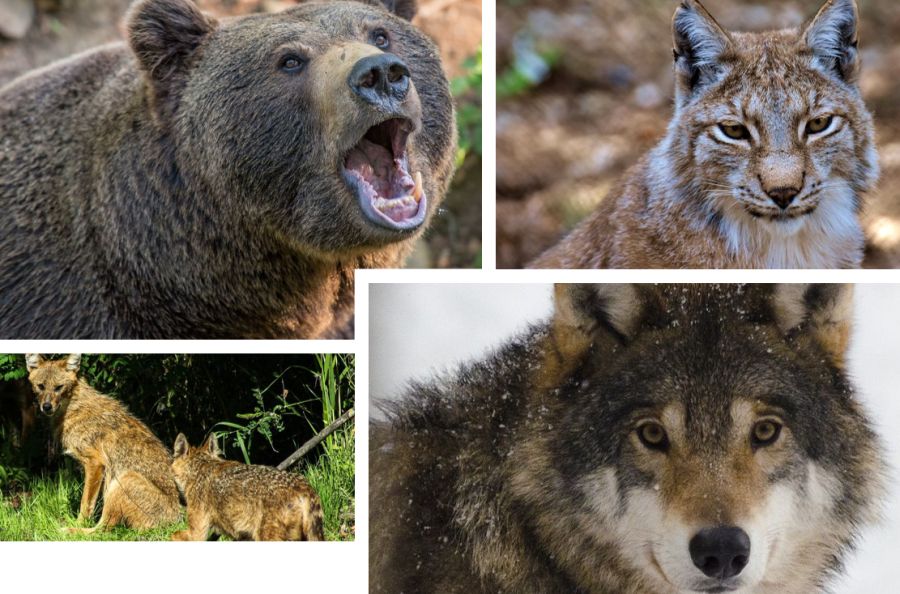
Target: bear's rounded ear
column 405, row 9
column 181, row 445
column 164, row 34
column 825, row 311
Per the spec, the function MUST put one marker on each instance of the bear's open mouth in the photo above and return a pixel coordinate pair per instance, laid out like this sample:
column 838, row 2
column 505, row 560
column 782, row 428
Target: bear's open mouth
column 378, row 169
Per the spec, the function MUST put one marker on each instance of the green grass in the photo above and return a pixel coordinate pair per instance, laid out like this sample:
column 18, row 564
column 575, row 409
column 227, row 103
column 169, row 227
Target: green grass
column 332, row 476
column 48, row 504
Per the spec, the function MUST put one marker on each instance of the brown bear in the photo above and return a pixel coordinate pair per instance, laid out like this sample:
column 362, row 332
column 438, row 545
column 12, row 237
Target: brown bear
column 219, row 179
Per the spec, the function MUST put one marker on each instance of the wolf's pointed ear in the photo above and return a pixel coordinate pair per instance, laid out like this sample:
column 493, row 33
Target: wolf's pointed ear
column 582, row 310
column 825, row 311
column 211, row 445
column 32, row 360
column 832, row 37
column 181, row 446
column 405, row 9
column 73, row 362
column 700, row 44
column 164, row 35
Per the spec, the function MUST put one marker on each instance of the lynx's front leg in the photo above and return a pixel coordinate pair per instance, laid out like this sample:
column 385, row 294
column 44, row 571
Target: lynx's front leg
column 199, row 523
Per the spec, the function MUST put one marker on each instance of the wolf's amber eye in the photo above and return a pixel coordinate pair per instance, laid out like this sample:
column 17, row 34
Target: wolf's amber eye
column 653, row 436
column 816, row 125
column 765, row 433
column 735, row 130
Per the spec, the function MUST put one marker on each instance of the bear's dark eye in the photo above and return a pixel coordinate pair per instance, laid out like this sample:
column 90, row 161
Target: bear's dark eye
column 292, row 64
column 380, row 39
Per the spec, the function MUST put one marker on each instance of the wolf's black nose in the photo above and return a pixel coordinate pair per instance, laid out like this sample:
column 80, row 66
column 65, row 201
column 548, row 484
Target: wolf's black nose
column 46, row 407
column 379, row 77
column 720, row 552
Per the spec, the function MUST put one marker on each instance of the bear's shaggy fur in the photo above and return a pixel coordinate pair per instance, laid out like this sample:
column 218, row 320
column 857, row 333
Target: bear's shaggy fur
column 194, row 182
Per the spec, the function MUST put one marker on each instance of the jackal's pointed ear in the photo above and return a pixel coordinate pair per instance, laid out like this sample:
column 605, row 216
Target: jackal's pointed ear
column 73, row 362
column 164, row 36
column 832, row 37
column 700, row 45
column 823, row 310
column 211, row 445
column 32, row 360
column 582, row 310
column 181, row 446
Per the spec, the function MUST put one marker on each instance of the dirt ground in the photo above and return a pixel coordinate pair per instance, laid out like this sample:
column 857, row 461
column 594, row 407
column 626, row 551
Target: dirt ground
column 65, row 27
column 601, row 95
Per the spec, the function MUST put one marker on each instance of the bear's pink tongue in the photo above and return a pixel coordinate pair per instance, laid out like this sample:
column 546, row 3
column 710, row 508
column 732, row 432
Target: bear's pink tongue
column 390, row 187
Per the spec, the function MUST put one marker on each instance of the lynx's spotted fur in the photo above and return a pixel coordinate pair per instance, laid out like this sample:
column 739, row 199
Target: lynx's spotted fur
column 764, row 162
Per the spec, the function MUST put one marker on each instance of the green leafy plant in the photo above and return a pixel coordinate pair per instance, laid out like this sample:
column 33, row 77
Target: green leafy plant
column 466, row 89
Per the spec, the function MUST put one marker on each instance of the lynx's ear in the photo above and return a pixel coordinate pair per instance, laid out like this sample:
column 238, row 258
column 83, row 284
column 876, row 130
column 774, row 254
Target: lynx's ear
column 164, row 36
column 32, row 360
column 181, row 446
column 73, row 362
column 824, row 311
column 700, row 45
column 832, row 37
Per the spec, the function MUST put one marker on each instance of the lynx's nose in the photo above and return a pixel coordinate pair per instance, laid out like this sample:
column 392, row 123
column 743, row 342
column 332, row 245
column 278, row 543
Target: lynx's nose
column 379, row 78
column 782, row 196
column 720, row 552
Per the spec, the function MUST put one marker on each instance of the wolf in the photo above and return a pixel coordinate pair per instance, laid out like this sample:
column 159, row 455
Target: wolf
column 120, row 455
column 764, row 164
column 241, row 501
column 645, row 440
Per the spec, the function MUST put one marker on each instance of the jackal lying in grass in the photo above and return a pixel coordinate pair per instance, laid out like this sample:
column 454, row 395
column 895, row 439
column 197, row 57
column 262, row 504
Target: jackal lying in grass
column 244, row 502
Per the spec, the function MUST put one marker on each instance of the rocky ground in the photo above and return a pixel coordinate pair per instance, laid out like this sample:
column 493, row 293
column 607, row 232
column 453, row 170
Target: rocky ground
column 585, row 88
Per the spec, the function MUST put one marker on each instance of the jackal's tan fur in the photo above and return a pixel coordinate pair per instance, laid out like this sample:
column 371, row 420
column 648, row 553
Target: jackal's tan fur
column 783, row 194
column 120, row 455
column 244, row 502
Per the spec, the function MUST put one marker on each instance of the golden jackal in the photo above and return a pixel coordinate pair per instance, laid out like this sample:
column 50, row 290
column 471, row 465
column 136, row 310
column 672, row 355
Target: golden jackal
column 116, row 450
column 244, row 502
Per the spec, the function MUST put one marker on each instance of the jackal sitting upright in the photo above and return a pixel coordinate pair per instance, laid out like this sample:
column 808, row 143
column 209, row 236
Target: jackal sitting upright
column 115, row 448
column 242, row 501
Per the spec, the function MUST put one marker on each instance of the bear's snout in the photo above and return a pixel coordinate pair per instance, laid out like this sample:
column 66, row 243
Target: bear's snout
column 380, row 79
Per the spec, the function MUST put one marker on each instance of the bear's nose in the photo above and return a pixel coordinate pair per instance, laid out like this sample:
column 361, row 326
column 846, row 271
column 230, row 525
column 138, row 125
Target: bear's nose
column 380, row 77
column 721, row 552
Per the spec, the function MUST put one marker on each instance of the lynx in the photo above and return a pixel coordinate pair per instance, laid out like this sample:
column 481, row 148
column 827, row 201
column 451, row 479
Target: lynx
column 764, row 162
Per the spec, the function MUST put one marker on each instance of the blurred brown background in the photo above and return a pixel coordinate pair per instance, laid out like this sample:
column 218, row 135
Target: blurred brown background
column 34, row 33
column 585, row 87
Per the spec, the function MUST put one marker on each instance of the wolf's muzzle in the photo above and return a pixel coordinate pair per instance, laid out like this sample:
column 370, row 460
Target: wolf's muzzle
column 721, row 552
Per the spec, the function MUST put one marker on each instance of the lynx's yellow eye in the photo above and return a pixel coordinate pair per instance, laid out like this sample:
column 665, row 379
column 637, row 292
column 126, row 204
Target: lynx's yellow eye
column 816, row 125
column 653, row 436
column 765, row 433
column 735, row 130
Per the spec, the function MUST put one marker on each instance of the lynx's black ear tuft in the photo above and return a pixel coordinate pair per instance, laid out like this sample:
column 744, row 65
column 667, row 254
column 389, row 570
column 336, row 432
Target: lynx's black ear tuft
column 832, row 37
column 700, row 45
column 164, row 36
column 825, row 311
